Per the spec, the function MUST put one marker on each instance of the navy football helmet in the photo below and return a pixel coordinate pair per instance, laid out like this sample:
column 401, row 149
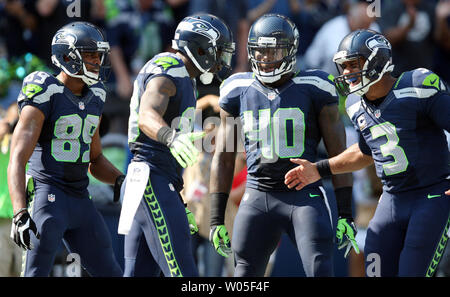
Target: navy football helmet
column 75, row 38
column 272, row 47
column 376, row 53
column 207, row 41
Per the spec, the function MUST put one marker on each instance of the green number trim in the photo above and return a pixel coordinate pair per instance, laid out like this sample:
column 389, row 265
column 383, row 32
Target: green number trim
column 70, row 138
column 390, row 148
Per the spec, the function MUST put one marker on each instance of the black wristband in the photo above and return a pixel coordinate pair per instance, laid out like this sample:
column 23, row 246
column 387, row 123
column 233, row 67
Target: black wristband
column 218, row 207
column 344, row 201
column 117, row 186
column 165, row 135
column 20, row 211
column 323, row 167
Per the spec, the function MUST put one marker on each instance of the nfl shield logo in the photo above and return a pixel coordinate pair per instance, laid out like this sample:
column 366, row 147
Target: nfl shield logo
column 81, row 105
column 271, row 95
column 51, row 197
column 377, row 113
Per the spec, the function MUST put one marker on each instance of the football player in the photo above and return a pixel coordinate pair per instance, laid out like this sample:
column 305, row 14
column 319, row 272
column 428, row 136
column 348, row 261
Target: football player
column 283, row 115
column 160, row 135
column 401, row 123
column 57, row 134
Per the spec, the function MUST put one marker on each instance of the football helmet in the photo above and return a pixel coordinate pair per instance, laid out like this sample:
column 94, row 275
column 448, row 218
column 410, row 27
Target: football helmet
column 376, row 53
column 71, row 41
column 207, row 41
column 272, row 46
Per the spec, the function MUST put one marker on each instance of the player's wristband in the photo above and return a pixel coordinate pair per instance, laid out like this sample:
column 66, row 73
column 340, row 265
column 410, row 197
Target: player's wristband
column 218, row 207
column 19, row 212
column 344, row 201
column 323, row 167
column 165, row 135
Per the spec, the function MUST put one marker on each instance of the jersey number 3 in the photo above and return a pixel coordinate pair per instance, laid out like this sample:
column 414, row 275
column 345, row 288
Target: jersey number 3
column 66, row 147
column 390, row 148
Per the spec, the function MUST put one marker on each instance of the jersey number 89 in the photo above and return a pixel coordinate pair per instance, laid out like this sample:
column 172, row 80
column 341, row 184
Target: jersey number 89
column 66, row 147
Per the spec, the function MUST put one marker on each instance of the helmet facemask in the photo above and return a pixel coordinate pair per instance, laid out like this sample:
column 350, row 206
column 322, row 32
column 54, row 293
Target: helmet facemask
column 269, row 60
column 75, row 66
column 370, row 73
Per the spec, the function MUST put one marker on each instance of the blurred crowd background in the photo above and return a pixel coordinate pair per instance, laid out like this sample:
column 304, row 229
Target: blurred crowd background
column 419, row 31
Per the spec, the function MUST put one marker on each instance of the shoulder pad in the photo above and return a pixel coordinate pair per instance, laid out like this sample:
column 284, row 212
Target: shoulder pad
column 99, row 91
column 235, row 81
column 38, row 87
column 418, row 83
column 169, row 65
column 352, row 104
column 317, row 78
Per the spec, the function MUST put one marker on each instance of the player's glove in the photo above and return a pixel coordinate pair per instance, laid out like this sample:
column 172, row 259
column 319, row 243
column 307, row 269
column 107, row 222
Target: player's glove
column 183, row 149
column 181, row 145
column 117, row 187
column 191, row 220
column 218, row 236
column 21, row 227
column 346, row 232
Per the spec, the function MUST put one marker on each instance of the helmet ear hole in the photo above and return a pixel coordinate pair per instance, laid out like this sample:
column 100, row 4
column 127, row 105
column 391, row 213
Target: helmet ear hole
column 201, row 52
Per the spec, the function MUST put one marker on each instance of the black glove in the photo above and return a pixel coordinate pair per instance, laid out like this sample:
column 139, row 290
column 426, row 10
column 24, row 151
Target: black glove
column 20, row 229
column 117, row 187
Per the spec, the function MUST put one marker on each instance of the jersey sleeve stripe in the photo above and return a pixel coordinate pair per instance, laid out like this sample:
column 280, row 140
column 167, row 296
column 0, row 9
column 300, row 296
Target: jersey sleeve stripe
column 100, row 93
column 235, row 84
column 51, row 90
column 317, row 82
column 415, row 92
column 352, row 109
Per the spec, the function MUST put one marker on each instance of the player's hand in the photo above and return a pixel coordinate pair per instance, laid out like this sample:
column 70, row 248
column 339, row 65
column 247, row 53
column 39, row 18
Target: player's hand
column 20, row 230
column 183, row 149
column 191, row 220
column 302, row 175
column 117, row 187
column 218, row 236
column 346, row 232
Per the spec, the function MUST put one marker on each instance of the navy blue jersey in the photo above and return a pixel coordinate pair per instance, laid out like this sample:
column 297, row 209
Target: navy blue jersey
column 179, row 114
column 405, row 133
column 62, row 154
column 278, row 124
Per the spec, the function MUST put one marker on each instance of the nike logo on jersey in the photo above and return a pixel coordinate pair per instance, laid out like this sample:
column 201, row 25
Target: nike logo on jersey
column 313, row 195
column 432, row 196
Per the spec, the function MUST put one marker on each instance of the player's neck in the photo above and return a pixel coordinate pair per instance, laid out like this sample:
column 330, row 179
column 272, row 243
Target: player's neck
column 75, row 85
column 279, row 82
column 190, row 67
column 381, row 88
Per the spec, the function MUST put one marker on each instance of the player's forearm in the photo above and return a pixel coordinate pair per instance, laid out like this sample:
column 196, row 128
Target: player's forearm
column 150, row 122
column 222, row 170
column 103, row 170
column 16, row 184
column 352, row 159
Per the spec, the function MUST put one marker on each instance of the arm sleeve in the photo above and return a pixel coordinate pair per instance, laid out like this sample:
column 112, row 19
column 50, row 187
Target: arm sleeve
column 438, row 109
column 325, row 92
column 229, row 99
column 365, row 149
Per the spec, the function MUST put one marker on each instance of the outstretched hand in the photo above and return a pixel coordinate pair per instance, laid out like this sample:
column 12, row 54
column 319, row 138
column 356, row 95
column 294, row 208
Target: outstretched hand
column 302, row 175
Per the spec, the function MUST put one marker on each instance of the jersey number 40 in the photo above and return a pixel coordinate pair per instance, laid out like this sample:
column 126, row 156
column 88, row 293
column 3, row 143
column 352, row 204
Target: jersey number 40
column 281, row 135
